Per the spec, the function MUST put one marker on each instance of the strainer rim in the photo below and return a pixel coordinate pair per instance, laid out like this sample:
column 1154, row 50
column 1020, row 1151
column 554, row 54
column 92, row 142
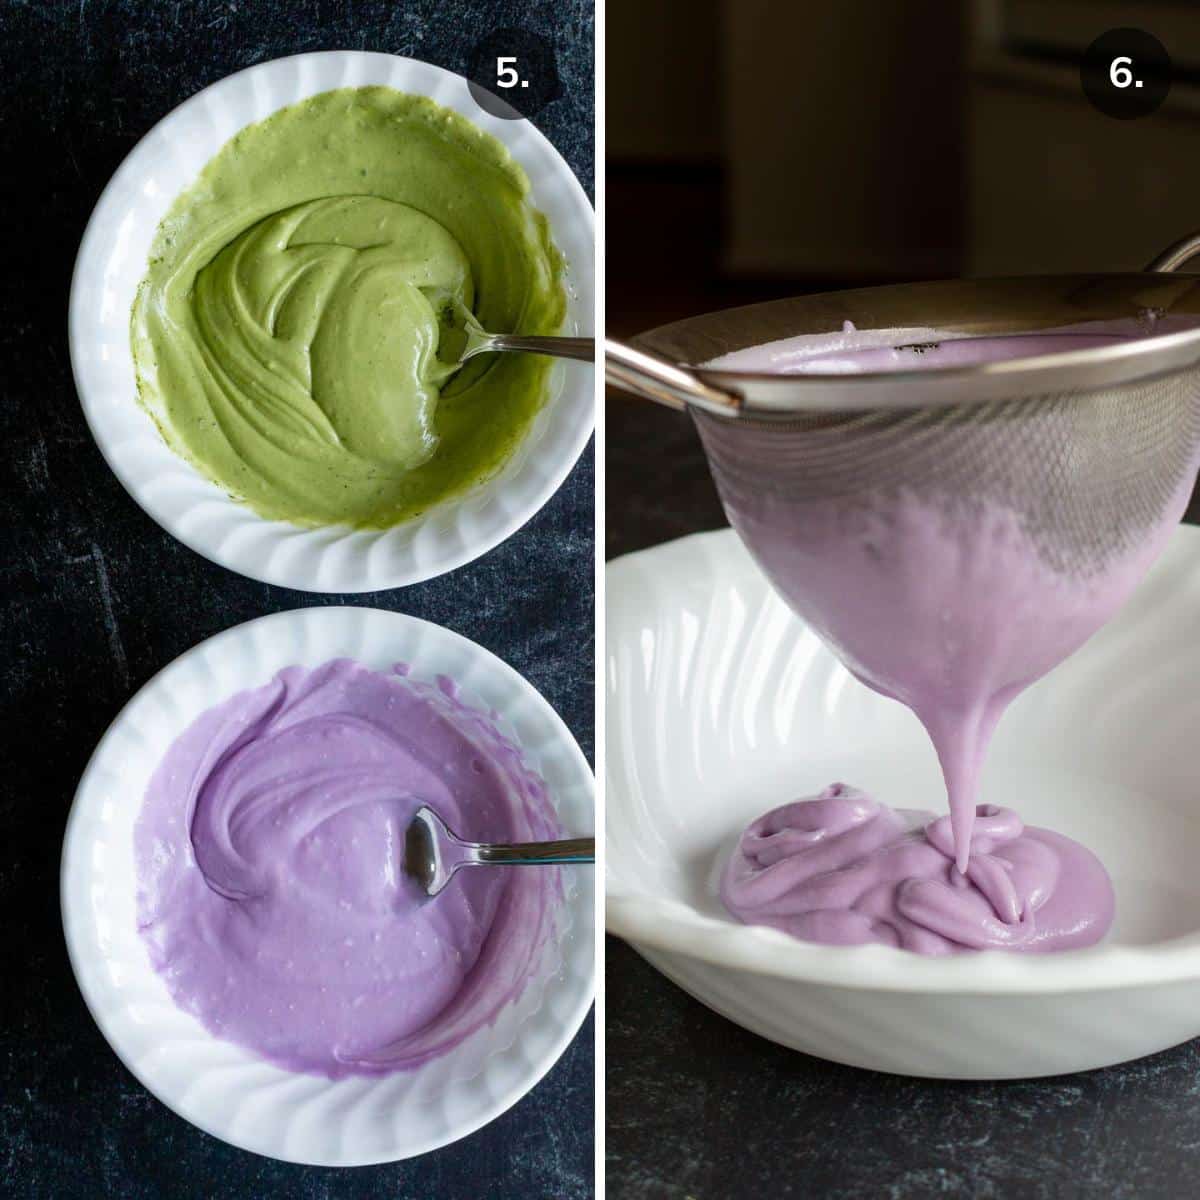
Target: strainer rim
column 765, row 394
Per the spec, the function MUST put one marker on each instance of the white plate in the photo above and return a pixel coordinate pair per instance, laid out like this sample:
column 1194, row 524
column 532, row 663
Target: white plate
column 219, row 1086
column 722, row 704
column 112, row 262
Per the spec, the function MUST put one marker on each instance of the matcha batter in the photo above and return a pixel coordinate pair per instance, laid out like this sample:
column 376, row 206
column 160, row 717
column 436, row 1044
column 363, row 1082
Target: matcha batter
column 286, row 335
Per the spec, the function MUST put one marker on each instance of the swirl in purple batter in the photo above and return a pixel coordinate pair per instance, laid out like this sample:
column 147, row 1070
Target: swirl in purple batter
column 843, row 869
column 270, row 891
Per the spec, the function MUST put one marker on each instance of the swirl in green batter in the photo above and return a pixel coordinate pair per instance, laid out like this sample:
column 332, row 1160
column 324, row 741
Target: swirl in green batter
column 286, row 334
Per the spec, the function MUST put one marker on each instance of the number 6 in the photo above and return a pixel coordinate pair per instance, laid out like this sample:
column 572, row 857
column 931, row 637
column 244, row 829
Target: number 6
column 506, row 76
column 1119, row 73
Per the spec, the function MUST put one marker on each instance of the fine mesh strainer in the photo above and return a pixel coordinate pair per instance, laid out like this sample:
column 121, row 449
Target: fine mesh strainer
column 1093, row 449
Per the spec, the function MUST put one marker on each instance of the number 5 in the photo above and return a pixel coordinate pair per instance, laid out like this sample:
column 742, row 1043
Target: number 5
column 506, row 76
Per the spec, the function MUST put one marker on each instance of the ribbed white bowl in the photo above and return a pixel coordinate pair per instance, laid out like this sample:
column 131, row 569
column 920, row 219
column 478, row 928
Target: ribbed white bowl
column 217, row 1085
column 112, row 262
column 722, row 704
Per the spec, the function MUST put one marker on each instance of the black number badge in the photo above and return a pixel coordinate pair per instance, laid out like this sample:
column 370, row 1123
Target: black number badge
column 513, row 74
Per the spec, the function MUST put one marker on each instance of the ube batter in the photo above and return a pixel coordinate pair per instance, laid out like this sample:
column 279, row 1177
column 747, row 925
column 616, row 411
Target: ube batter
column 843, row 869
column 949, row 603
column 270, row 890
column 856, row 352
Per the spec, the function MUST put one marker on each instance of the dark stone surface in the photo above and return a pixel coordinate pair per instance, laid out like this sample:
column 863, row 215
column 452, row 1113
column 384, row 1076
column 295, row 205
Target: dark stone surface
column 95, row 598
column 697, row 1108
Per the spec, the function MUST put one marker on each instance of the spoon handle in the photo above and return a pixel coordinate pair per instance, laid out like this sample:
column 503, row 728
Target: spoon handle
column 572, row 850
column 582, row 348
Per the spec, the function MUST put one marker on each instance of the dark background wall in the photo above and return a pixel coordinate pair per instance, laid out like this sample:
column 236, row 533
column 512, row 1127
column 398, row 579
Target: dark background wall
column 878, row 139
column 95, row 598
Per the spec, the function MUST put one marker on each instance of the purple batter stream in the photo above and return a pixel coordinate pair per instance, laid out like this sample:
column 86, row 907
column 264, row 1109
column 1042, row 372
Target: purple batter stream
column 952, row 608
column 270, row 893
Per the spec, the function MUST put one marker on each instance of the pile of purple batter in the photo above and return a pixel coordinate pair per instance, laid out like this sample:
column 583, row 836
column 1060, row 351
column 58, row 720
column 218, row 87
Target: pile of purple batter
column 843, row 869
column 270, row 890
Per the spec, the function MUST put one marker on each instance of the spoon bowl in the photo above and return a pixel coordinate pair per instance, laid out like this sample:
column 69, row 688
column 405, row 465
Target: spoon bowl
column 462, row 338
column 433, row 852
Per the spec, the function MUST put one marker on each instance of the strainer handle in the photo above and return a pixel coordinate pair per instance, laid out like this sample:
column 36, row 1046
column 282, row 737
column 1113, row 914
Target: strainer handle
column 645, row 374
column 1173, row 257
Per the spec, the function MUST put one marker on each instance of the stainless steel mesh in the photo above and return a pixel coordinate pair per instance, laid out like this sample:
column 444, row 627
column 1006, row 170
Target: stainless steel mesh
column 1088, row 474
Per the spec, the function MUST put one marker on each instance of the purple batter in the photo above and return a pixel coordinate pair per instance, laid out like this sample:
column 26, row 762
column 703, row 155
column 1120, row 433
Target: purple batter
column 270, row 893
column 859, row 351
column 843, row 869
column 947, row 604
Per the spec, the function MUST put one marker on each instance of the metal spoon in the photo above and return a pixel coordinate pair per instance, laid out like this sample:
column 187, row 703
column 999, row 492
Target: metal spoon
column 481, row 342
column 432, row 852
column 463, row 338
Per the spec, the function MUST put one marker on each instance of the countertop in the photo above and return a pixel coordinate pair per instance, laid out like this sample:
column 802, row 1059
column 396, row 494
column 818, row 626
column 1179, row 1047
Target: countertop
column 96, row 598
column 700, row 1109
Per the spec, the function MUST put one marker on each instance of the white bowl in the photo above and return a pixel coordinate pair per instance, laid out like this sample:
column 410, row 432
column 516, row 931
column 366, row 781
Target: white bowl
column 219, row 1086
column 112, row 262
column 722, row 704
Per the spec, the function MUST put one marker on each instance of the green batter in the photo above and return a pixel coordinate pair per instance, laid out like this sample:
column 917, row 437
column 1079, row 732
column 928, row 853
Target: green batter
column 286, row 336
